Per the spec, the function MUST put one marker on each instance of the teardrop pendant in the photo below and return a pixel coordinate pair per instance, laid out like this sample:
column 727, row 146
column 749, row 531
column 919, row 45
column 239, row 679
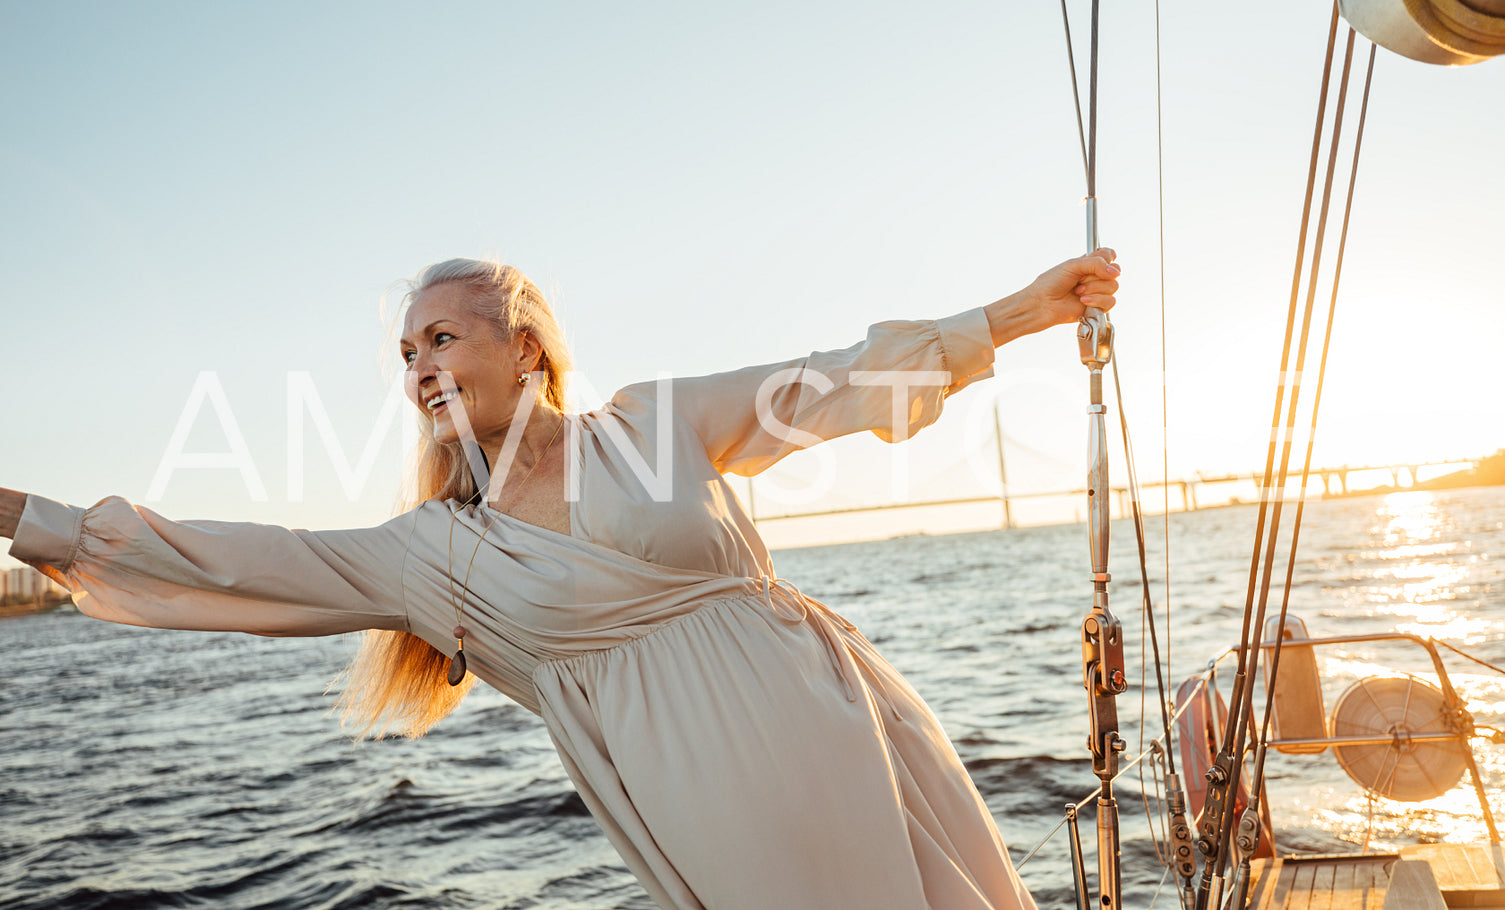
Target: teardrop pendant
column 457, row 668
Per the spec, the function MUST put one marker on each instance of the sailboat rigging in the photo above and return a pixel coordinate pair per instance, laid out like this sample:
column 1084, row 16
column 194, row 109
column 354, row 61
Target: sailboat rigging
column 1233, row 828
column 1102, row 634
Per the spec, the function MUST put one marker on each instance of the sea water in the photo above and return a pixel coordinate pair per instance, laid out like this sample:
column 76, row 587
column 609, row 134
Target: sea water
column 146, row 768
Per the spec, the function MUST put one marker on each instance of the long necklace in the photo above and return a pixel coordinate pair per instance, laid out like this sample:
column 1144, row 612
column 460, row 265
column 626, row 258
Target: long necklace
column 457, row 663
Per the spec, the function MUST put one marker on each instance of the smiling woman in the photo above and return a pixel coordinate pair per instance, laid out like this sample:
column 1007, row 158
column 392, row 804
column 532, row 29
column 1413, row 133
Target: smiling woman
column 741, row 744
column 475, row 333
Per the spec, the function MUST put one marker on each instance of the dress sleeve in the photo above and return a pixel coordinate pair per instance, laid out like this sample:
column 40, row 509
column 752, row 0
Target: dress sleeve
column 127, row 564
column 893, row 384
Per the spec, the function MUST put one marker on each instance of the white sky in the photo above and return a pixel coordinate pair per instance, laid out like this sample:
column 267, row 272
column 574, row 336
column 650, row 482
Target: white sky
column 189, row 187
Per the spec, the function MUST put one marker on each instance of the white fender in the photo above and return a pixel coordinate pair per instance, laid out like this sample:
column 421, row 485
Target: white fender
column 1448, row 32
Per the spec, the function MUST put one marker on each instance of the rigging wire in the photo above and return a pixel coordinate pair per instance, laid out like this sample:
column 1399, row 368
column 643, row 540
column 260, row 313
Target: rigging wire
column 1304, row 339
column 1259, row 765
column 1169, row 803
column 1081, row 804
column 1087, row 137
column 1165, row 470
column 1084, row 801
column 1092, row 112
column 1246, row 707
column 1046, row 839
column 1245, row 703
column 1076, row 97
column 1266, row 482
column 1228, row 763
column 1267, row 485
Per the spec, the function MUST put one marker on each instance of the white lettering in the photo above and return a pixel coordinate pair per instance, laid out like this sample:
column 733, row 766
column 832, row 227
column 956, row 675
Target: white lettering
column 301, row 393
column 207, row 385
column 905, row 409
column 798, row 438
column 659, row 483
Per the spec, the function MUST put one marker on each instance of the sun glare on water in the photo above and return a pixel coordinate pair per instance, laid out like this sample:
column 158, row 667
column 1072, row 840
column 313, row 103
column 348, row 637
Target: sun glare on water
column 1420, row 571
column 1410, row 517
column 1418, row 566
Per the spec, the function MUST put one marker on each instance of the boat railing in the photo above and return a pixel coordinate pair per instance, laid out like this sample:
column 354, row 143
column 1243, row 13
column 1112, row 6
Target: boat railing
column 1462, row 730
column 1460, row 721
column 1155, row 748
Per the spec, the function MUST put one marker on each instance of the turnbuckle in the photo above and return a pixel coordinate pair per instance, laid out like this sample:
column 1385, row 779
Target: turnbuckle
column 1094, row 336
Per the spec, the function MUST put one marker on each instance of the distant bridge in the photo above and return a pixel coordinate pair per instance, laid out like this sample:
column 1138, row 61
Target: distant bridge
column 1187, row 488
column 1328, row 475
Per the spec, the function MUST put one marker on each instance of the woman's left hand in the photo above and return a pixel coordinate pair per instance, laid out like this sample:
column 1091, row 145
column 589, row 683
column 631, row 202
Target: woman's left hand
column 1087, row 281
column 1058, row 296
column 12, row 504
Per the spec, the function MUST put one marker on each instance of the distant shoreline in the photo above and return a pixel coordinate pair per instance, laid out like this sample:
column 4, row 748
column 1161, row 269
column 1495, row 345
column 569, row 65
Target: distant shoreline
column 1448, row 482
column 63, row 605
column 1490, row 472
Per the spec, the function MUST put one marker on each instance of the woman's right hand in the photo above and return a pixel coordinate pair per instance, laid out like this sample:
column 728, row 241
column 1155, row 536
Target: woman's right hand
column 12, row 503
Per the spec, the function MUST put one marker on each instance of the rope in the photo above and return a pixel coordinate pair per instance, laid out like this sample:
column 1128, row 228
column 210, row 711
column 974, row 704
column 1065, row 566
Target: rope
column 1462, row 653
column 1164, row 834
column 1155, row 898
column 1144, row 571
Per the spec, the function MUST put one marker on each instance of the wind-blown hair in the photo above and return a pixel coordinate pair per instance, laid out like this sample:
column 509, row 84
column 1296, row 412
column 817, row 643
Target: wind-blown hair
column 398, row 680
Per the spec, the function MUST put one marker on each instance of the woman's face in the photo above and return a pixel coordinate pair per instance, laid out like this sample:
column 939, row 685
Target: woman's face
column 458, row 370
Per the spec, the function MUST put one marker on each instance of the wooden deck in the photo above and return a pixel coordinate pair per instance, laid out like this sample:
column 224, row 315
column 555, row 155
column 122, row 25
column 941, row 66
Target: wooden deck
column 1424, row 877
column 1469, row 875
column 1321, row 882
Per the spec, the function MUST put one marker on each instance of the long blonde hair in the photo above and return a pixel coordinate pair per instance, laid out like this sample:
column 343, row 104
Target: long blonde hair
column 398, row 680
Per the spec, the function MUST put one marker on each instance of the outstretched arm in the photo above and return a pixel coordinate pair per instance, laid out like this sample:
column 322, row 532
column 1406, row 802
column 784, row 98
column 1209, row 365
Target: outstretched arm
column 127, row 564
column 893, row 384
column 12, row 502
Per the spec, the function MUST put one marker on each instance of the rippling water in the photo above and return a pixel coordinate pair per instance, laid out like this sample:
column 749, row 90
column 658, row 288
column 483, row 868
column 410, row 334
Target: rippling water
column 144, row 768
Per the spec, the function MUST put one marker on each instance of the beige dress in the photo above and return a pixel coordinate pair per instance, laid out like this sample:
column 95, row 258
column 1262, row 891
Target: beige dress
column 742, row 745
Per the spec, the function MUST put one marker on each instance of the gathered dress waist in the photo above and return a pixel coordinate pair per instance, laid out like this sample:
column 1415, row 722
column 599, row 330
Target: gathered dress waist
column 793, row 606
